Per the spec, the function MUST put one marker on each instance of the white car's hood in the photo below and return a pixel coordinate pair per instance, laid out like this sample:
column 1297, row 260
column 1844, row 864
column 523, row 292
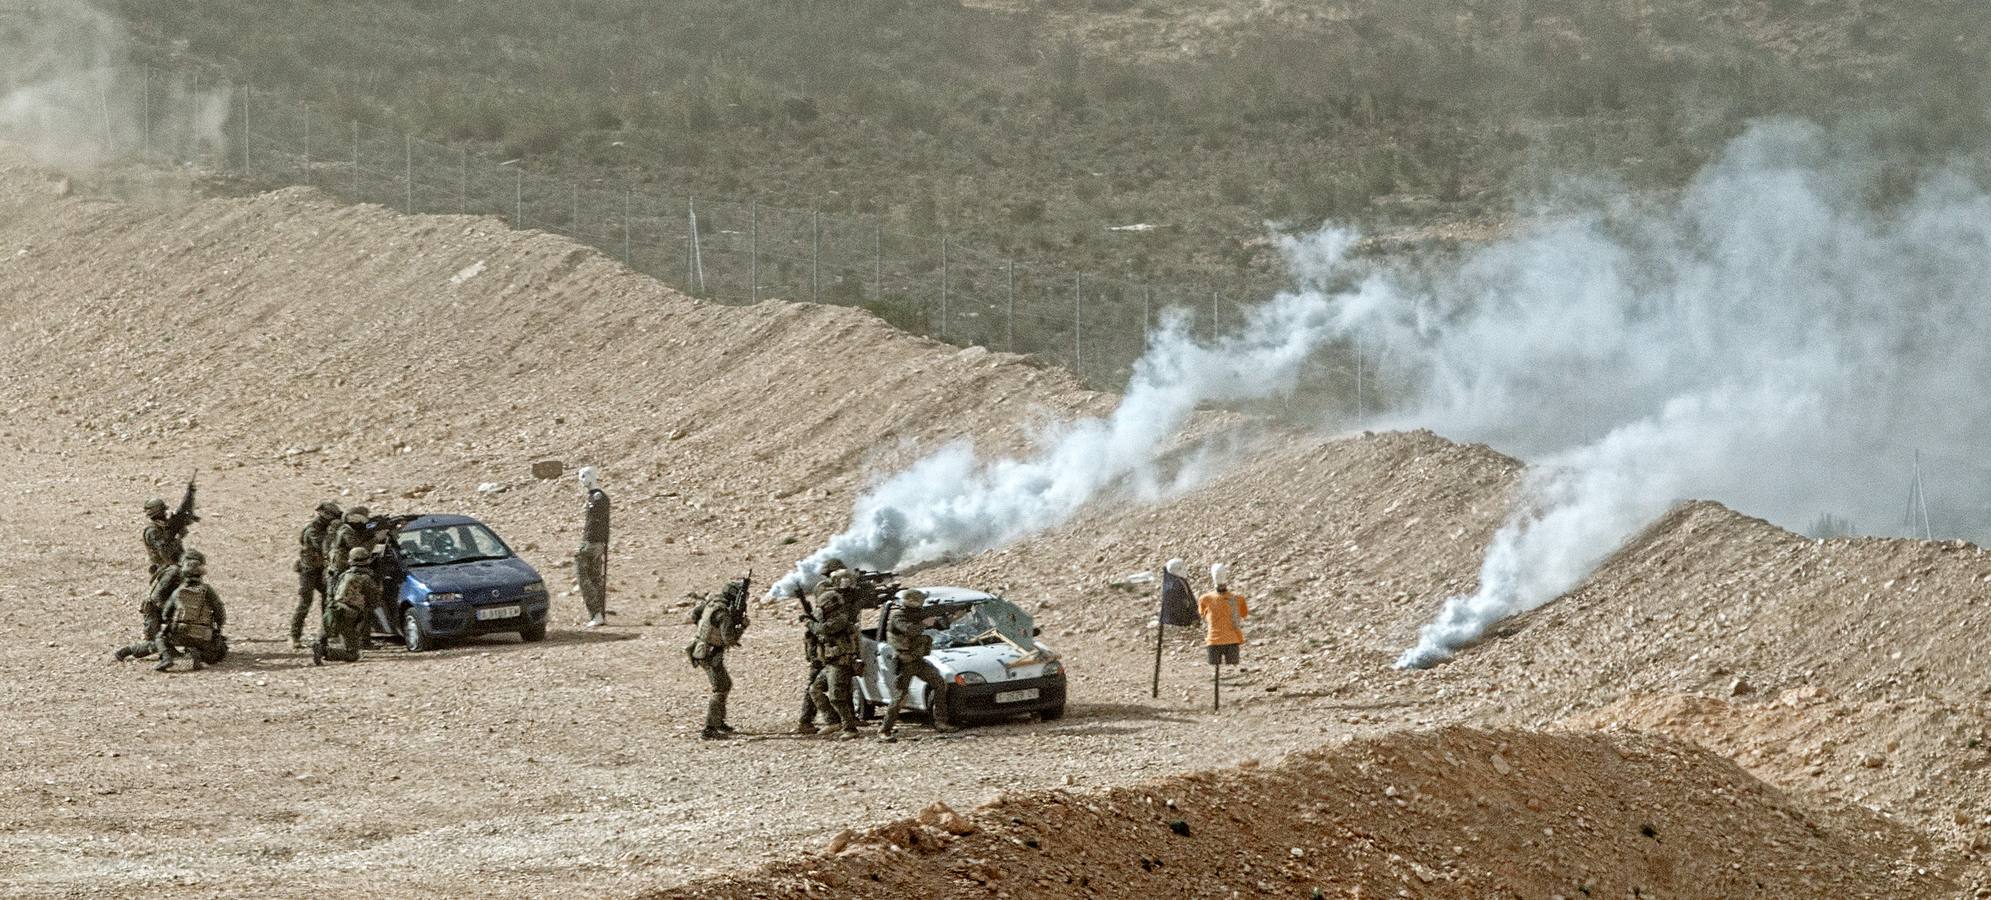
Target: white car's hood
column 994, row 662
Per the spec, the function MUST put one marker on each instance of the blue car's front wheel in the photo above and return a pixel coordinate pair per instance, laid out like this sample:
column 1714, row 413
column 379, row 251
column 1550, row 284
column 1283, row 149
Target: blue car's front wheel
column 413, row 634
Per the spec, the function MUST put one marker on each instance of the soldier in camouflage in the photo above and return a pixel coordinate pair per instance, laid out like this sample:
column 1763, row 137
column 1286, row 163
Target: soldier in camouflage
column 834, row 630
column 591, row 560
column 192, row 619
column 807, row 723
column 906, row 631
column 345, row 612
column 165, row 581
column 310, row 567
column 162, row 546
column 721, row 621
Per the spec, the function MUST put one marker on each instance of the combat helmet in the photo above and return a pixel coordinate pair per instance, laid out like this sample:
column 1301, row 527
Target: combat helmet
column 328, row 508
column 360, row 554
column 913, row 597
column 155, row 508
column 357, row 515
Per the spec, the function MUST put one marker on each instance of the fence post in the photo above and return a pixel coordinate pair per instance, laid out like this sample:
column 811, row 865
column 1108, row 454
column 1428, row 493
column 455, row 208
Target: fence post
column 518, row 196
column 574, row 208
column 753, row 249
column 462, row 180
column 246, row 89
column 1361, row 408
column 148, row 112
column 408, row 149
column 625, row 225
column 815, row 255
column 356, row 195
column 943, row 287
column 193, row 121
column 304, row 110
column 1010, row 320
column 697, row 253
column 1078, row 326
column 878, row 257
column 1213, row 316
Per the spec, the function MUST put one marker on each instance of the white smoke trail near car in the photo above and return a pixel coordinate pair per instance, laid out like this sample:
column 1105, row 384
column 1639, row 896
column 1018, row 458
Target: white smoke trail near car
column 955, row 502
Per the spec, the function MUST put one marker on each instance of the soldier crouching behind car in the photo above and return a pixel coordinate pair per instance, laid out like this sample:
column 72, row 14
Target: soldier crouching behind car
column 906, row 630
column 721, row 621
column 345, row 613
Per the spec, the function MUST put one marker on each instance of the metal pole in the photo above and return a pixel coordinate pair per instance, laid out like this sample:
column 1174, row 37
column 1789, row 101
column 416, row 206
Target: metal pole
column 1159, row 627
column 408, row 149
column 462, row 180
column 1011, row 321
column 304, row 110
column 518, row 196
column 1147, row 312
column 574, row 212
column 193, row 119
column 148, row 112
column 356, row 195
column 753, row 249
column 815, row 255
column 1361, row 408
column 245, row 128
column 1213, row 315
column 943, row 287
column 697, row 252
column 877, row 257
column 625, row 225
column 1078, row 326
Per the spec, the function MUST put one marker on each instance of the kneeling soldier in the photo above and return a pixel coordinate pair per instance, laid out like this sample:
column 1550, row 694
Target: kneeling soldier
column 344, row 614
column 192, row 619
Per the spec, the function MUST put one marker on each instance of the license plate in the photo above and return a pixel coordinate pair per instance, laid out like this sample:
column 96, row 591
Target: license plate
column 497, row 612
column 1016, row 696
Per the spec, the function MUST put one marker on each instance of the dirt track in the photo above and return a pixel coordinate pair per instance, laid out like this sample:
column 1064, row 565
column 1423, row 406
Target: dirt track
column 289, row 350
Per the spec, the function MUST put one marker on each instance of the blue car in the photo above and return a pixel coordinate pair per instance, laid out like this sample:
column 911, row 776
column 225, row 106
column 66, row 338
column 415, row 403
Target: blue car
column 451, row 576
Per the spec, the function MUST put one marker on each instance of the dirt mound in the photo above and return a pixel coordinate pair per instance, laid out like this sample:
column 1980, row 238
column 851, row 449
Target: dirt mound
column 1455, row 813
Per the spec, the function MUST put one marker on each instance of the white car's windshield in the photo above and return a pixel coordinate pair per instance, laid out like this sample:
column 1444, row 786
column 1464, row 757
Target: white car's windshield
column 983, row 622
column 441, row 545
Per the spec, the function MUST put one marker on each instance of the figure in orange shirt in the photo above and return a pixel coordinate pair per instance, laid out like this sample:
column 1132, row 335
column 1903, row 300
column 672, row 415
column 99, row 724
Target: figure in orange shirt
column 1223, row 631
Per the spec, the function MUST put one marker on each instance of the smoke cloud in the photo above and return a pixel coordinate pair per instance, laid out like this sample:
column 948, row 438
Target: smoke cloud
column 70, row 94
column 954, row 502
column 1771, row 340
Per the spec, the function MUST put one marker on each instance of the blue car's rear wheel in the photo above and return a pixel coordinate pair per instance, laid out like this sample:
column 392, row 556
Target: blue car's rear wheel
column 413, row 635
column 533, row 633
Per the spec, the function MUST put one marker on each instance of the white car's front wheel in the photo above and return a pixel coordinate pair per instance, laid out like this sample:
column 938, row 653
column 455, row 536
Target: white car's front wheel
column 860, row 707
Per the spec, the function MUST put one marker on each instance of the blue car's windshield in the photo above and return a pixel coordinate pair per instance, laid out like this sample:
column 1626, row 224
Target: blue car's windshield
column 442, row 545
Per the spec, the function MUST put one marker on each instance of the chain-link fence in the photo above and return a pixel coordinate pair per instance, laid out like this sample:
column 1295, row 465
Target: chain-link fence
column 718, row 249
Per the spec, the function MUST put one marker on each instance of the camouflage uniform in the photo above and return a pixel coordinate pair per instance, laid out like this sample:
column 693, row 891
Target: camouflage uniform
column 591, row 560
column 835, row 631
column 906, row 631
column 721, row 621
column 310, row 567
column 807, row 723
column 193, row 619
column 165, row 581
column 357, row 590
column 162, row 546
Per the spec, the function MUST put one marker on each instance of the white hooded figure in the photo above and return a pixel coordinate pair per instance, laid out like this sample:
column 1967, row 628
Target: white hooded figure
column 1220, row 575
column 1178, row 602
column 591, row 560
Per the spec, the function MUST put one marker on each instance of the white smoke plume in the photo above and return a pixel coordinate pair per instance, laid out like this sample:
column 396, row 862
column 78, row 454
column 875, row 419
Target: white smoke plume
column 954, row 502
column 71, row 95
column 1770, row 341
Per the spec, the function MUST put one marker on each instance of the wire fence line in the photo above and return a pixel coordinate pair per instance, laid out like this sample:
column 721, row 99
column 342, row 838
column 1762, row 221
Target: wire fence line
column 718, row 249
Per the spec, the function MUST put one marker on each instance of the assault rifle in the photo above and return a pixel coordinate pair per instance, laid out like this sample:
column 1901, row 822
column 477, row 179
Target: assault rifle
column 183, row 518
column 875, row 588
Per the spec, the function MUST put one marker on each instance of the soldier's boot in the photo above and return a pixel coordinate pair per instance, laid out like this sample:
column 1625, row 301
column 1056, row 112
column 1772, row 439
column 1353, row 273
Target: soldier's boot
column 937, row 717
column 165, row 657
column 318, row 651
column 891, row 718
column 123, row 654
column 715, row 715
column 194, row 656
column 712, row 733
column 805, row 727
column 297, row 642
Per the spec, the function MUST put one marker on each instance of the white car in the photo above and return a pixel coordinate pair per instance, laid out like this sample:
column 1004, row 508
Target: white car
column 987, row 649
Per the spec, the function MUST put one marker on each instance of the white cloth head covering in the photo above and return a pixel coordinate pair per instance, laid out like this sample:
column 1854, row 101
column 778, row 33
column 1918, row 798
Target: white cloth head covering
column 1219, row 572
column 1174, row 567
column 589, row 478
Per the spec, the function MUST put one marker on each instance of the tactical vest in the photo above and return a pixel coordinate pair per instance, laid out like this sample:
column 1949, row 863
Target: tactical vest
column 193, row 616
column 906, row 635
column 359, row 594
column 311, row 546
